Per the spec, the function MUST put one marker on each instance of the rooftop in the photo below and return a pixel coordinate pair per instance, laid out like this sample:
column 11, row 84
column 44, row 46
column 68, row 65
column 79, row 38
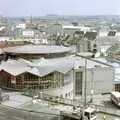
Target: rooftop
column 76, row 27
column 42, row 67
column 37, row 49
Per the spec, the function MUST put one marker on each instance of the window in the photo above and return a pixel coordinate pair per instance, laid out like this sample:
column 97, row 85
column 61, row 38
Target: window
column 117, row 87
column 78, row 83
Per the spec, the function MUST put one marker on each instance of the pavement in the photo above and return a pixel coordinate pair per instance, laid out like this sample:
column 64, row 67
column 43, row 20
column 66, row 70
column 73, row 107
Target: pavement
column 20, row 107
column 8, row 113
column 16, row 99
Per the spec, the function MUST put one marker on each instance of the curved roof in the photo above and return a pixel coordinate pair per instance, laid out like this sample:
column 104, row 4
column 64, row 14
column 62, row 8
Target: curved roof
column 37, row 49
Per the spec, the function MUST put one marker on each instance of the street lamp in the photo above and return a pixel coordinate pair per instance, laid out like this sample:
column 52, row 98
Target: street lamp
column 92, row 91
column 91, row 100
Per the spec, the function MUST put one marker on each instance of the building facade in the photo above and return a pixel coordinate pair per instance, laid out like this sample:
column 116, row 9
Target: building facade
column 88, row 80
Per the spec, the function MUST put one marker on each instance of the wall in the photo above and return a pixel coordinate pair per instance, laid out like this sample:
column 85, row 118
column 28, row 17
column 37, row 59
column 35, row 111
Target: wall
column 68, row 77
column 99, row 80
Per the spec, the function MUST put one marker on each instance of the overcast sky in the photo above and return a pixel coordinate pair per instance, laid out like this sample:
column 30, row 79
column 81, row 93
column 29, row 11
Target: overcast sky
column 60, row 7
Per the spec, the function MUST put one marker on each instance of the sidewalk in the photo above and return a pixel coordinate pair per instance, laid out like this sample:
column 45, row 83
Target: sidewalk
column 16, row 99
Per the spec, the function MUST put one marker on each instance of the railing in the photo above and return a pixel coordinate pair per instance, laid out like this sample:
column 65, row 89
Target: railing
column 59, row 100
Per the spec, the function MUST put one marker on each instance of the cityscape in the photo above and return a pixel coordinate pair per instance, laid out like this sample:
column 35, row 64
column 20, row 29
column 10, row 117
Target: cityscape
column 59, row 67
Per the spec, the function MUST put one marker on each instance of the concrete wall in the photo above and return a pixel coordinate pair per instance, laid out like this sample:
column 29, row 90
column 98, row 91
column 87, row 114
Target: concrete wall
column 98, row 79
column 68, row 77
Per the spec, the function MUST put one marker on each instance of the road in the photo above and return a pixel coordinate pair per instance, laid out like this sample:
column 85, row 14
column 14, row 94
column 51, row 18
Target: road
column 108, row 117
column 111, row 107
column 7, row 113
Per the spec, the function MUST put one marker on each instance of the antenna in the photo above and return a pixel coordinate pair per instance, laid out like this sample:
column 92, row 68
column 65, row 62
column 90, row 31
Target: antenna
column 31, row 20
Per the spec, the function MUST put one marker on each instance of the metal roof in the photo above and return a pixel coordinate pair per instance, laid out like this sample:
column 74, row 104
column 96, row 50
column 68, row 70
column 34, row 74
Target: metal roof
column 16, row 67
column 43, row 67
column 13, row 67
column 37, row 49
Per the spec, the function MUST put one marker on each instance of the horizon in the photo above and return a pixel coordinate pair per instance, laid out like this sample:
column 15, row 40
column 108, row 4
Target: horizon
column 23, row 8
column 55, row 15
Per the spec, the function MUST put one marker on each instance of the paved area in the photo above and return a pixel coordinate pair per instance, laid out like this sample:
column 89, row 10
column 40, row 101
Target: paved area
column 16, row 99
column 106, row 105
column 7, row 113
column 107, row 117
column 23, row 102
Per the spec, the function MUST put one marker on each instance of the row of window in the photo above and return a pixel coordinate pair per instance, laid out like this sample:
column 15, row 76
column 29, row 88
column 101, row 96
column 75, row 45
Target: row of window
column 51, row 80
column 78, row 83
column 117, row 87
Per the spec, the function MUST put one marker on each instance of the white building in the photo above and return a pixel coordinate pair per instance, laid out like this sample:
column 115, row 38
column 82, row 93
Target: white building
column 116, row 66
column 28, row 33
column 88, row 78
column 72, row 29
column 21, row 26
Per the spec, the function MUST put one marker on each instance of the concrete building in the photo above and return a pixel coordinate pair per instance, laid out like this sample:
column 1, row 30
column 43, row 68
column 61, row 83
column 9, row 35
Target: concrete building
column 116, row 66
column 70, row 30
column 57, row 74
column 38, row 51
column 36, row 72
column 21, row 26
column 88, row 79
column 28, row 33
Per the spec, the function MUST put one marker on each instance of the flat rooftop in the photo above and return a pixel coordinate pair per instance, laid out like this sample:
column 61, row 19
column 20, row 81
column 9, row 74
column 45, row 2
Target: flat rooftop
column 37, row 49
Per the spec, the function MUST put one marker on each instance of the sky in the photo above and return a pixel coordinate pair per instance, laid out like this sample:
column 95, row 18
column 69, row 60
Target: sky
column 18, row 8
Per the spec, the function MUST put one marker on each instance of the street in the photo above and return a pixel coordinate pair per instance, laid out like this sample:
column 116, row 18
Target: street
column 37, row 111
column 107, row 117
column 111, row 107
column 7, row 113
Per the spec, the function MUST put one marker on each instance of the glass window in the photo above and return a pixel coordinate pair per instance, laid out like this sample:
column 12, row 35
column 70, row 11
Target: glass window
column 78, row 83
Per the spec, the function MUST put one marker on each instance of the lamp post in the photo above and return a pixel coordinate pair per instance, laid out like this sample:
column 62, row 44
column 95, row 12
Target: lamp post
column 92, row 91
column 91, row 100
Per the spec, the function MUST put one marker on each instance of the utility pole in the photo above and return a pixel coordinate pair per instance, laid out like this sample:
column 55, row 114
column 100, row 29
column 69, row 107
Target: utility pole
column 92, row 91
column 85, row 85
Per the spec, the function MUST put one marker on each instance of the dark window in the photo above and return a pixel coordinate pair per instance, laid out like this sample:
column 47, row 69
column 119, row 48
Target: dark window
column 78, row 83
